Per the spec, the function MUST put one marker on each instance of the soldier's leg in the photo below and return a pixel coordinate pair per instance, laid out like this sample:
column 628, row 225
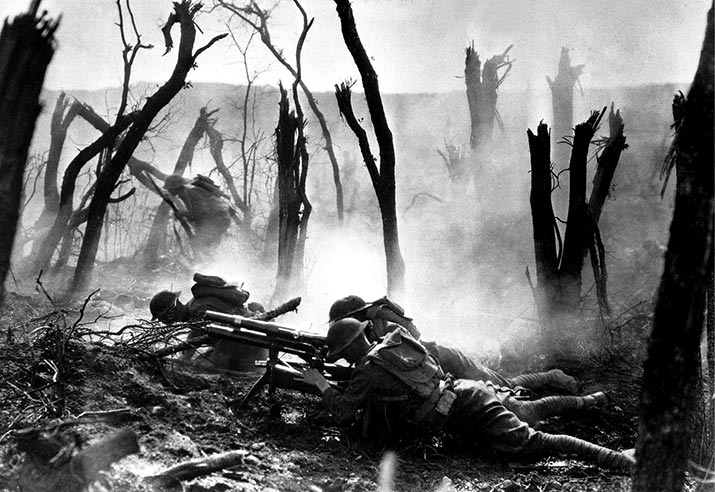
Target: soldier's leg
column 461, row 366
column 478, row 415
column 559, row 444
column 555, row 378
column 543, row 408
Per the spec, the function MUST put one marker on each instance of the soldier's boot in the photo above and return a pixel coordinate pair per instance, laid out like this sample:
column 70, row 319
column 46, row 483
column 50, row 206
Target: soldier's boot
column 534, row 411
column 559, row 444
column 555, row 378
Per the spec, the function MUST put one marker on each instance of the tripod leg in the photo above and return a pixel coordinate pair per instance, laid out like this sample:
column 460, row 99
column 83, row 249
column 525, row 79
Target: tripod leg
column 257, row 386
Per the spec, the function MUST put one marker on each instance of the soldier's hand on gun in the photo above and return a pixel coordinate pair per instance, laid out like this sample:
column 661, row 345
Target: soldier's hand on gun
column 316, row 378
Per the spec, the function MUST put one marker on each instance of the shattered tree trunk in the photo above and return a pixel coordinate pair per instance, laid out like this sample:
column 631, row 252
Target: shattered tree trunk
column 66, row 219
column 383, row 180
column 482, row 85
column 559, row 266
column 66, row 110
column 671, row 370
column 106, row 181
column 62, row 219
column 562, row 103
column 289, row 157
column 26, row 48
column 156, row 242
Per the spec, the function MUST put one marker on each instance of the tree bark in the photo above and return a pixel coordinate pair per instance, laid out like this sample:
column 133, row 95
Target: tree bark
column 482, row 84
column 562, row 103
column 56, row 232
column 571, row 266
column 106, row 181
column 607, row 163
column 543, row 223
column 289, row 157
column 670, row 372
column 65, row 111
column 27, row 46
column 383, row 180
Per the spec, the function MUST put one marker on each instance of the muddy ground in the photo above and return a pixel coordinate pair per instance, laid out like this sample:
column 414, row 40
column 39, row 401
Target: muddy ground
column 180, row 414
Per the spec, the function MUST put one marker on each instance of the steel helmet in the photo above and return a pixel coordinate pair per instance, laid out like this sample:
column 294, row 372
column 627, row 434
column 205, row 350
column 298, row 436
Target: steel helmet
column 347, row 306
column 341, row 334
column 162, row 302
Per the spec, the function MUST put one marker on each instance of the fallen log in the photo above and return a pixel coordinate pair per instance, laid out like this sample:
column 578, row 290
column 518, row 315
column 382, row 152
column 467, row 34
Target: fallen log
column 195, row 468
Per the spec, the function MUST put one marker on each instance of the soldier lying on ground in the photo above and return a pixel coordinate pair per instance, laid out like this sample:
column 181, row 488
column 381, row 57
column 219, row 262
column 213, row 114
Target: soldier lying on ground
column 386, row 315
column 398, row 368
column 210, row 292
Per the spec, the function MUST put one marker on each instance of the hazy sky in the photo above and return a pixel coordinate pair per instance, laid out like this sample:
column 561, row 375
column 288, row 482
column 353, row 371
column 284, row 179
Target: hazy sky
column 416, row 45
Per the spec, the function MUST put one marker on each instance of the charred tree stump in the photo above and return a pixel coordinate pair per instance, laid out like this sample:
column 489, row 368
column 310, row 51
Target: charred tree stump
column 671, row 370
column 26, row 48
column 562, row 103
column 559, row 264
column 482, row 85
column 383, row 180
column 289, row 150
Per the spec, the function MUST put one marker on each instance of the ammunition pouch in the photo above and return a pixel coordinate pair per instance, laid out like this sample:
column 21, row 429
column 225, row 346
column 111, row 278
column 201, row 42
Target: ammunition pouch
column 435, row 410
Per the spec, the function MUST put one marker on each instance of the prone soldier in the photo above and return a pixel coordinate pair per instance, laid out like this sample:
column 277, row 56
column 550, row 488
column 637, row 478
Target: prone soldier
column 210, row 293
column 399, row 369
column 385, row 316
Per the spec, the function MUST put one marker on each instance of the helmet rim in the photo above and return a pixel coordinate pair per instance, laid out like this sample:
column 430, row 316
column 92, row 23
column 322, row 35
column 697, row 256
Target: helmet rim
column 334, row 353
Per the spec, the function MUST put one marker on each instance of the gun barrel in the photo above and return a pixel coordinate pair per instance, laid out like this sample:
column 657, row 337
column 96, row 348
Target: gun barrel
column 273, row 329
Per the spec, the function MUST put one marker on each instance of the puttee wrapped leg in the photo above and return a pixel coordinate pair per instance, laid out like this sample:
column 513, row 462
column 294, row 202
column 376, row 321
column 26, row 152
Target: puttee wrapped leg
column 559, row 444
column 555, row 378
column 537, row 410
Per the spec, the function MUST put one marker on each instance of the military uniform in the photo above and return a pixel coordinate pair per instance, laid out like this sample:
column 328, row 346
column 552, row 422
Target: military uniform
column 395, row 371
column 206, row 209
column 213, row 293
column 385, row 316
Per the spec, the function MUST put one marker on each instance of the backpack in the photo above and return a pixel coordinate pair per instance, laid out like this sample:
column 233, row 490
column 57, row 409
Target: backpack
column 207, row 184
column 214, row 286
column 407, row 360
column 384, row 312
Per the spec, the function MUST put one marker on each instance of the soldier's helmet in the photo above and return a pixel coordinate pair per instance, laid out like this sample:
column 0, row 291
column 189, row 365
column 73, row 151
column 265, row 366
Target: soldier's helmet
column 162, row 303
column 341, row 334
column 174, row 182
column 347, row 306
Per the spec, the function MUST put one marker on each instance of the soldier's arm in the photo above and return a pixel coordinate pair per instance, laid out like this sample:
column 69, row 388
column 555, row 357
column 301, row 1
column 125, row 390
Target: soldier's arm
column 344, row 406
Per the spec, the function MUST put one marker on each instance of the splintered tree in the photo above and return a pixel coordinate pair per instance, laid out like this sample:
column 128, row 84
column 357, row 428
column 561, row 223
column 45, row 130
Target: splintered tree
column 293, row 205
column 116, row 161
column 26, row 48
column 482, row 85
column 383, row 180
column 562, row 102
column 257, row 18
column 559, row 264
column 672, row 369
